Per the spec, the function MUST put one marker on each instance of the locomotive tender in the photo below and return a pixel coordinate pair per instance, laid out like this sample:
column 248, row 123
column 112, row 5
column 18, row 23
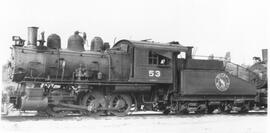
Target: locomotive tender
column 130, row 76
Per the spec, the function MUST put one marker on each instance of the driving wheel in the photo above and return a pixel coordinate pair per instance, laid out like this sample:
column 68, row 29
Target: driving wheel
column 120, row 104
column 95, row 102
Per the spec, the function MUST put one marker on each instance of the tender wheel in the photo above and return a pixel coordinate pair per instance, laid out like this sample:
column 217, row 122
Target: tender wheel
column 166, row 112
column 210, row 109
column 244, row 109
column 120, row 104
column 226, row 109
column 183, row 109
column 202, row 109
column 95, row 102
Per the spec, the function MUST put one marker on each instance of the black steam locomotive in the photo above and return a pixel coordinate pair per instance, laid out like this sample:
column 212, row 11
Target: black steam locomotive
column 130, row 76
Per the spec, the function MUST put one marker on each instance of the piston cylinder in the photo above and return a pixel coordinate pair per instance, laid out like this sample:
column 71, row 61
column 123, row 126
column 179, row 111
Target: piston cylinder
column 32, row 36
column 34, row 103
column 34, row 99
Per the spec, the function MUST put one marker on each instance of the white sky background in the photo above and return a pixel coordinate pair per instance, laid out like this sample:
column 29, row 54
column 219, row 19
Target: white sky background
column 213, row 26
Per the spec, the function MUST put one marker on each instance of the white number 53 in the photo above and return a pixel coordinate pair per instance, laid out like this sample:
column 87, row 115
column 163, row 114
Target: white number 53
column 154, row 73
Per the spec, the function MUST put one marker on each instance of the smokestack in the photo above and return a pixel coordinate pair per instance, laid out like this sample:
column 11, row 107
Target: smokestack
column 264, row 55
column 32, row 36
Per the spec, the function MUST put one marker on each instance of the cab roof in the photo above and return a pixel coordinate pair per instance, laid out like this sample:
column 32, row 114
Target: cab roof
column 153, row 45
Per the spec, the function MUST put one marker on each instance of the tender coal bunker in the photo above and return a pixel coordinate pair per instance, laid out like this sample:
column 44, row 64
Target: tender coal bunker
column 204, row 64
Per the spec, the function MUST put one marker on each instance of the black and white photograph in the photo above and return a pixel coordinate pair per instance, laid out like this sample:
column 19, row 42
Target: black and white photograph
column 134, row 66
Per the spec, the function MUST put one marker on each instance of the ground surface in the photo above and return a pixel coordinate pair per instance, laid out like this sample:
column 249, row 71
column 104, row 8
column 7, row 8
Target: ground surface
column 140, row 123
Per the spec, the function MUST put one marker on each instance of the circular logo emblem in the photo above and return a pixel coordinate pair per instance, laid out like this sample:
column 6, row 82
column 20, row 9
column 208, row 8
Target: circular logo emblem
column 222, row 82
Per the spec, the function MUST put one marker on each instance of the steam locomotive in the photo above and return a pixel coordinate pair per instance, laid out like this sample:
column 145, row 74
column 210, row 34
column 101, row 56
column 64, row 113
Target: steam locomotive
column 130, row 76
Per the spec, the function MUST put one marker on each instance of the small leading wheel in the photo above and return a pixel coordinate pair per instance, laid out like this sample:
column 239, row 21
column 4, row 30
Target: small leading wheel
column 95, row 101
column 120, row 104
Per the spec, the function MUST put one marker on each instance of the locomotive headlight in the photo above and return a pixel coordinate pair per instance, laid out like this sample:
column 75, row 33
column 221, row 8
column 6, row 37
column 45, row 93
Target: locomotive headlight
column 16, row 38
column 18, row 41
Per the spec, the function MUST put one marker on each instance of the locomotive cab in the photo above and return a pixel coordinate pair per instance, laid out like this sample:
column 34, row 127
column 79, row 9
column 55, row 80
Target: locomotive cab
column 148, row 61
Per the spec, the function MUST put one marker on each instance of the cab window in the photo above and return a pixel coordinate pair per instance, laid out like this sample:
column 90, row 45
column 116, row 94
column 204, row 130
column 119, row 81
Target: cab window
column 159, row 58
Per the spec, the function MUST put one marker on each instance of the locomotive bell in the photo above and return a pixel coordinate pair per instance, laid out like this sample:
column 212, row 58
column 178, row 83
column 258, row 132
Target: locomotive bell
column 32, row 36
column 97, row 44
column 54, row 41
column 76, row 42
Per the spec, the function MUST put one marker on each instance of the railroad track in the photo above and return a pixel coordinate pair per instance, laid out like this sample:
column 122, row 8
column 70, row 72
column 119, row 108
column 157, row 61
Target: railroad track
column 26, row 116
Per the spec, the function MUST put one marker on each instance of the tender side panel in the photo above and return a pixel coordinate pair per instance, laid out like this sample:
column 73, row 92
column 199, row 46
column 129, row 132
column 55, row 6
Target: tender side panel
column 204, row 82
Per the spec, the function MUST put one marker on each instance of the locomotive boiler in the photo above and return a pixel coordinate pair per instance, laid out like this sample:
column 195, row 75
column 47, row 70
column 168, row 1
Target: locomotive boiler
column 130, row 76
